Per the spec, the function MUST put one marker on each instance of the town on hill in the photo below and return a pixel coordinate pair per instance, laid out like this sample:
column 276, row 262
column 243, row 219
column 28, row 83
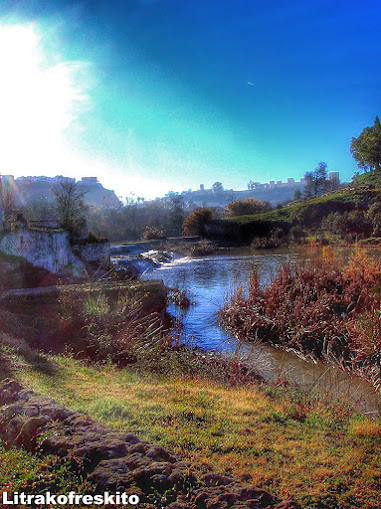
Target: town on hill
column 273, row 192
column 33, row 190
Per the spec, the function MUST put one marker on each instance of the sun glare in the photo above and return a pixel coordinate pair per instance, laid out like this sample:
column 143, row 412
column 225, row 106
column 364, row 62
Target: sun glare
column 40, row 97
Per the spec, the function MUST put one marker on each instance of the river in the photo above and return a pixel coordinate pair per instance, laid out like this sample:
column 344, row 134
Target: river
column 209, row 281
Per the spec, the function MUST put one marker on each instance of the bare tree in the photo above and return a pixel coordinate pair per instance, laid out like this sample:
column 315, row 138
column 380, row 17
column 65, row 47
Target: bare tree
column 70, row 206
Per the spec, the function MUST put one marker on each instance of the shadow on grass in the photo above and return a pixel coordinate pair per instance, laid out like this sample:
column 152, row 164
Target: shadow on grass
column 5, row 368
column 16, row 353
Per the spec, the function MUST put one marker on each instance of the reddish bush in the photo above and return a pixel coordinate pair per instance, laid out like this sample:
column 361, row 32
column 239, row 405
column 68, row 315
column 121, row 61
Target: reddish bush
column 312, row 306
column 151, row 233
column 195, row 223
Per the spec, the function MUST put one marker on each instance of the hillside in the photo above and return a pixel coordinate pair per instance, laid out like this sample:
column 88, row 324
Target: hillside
column 350, row 204
column 39, row 191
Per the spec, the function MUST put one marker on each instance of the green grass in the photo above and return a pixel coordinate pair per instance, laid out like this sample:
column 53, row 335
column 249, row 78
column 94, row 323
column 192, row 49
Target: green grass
column 369, row 178
column 16, row 466
column 294, row 445
column 353, row 194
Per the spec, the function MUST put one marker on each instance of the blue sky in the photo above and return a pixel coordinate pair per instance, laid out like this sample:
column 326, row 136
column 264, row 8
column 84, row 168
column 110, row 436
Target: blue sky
column 167, row 94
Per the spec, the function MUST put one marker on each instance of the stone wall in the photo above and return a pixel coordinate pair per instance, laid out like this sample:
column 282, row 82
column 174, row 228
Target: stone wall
column 52, row 250
column 95, row 253
column 49, row 249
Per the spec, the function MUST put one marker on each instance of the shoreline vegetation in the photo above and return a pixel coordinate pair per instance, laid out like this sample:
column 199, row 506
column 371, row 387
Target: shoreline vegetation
column 326, row 306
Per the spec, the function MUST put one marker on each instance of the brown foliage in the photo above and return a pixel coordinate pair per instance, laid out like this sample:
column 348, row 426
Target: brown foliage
column 195, row 223
column 318, row 307
column 246, row 207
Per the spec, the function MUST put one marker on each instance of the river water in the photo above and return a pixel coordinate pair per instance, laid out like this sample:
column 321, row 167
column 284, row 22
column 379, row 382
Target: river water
column 209, row 281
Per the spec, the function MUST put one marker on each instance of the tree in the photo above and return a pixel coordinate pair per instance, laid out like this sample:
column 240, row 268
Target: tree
column 217, row 187
column 246, row 207
column 176, row 213
column 297, row 195
column 69, row 203
column 8, row 197
column 366, row 149
column 195, row 223
column 316, row 181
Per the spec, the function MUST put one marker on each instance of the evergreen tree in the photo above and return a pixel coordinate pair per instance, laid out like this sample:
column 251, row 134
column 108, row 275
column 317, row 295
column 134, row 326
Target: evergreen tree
column 297, row 195
column 217, row 187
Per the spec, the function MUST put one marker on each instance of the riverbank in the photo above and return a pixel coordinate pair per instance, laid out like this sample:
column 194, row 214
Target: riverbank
column 325, row 307
column 293, row 444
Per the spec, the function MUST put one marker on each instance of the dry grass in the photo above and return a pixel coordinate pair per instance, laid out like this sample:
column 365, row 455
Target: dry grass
column 292, row 444
column 365, row 428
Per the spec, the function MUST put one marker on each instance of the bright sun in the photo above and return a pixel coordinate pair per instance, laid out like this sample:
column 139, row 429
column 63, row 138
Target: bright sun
column 39, row 98
column 42, row 126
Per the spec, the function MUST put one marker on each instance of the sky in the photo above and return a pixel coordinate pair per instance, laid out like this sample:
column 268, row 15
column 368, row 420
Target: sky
column 154, row 96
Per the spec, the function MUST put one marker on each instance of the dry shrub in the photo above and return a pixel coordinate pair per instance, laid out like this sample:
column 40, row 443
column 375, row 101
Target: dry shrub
column 202, row 248
column 151, row 233
column 366, row 344
column 246, row 207
column 313, row 307
column 106, row 329
column 195, row 223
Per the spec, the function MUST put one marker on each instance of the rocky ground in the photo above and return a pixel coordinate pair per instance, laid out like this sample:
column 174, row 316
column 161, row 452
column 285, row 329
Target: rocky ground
column 114, row 460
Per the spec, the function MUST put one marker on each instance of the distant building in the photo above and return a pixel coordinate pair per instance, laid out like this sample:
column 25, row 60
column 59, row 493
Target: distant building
column 33, row 189
column 334, row 177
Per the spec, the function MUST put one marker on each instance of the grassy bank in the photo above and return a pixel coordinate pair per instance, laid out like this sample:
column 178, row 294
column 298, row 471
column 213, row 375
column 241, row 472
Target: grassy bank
column 346, row 215
column 296, row 445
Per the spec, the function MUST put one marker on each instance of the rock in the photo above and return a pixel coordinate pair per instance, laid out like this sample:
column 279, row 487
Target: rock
column 112, row 474
column 29, row 430
column 252, row 493
column 158, row 453
column 132, row 439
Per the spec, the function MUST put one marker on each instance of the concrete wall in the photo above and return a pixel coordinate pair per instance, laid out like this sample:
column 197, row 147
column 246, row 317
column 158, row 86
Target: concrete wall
column 50, row 250
column 95, row 252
